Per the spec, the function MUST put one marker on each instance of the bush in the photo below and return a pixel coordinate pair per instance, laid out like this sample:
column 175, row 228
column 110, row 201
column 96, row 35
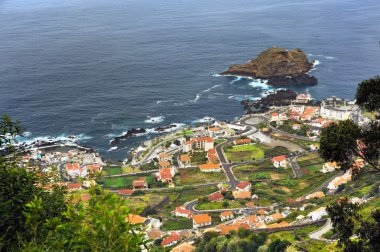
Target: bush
column 285, row 182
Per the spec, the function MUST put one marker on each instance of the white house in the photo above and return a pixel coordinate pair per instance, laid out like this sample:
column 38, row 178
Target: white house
column 243, row 186
column 226, row 216
column 329, row 167
column 201, row 220
column 210, row 167
column 317, row 214
column 279, row 161
column 181, row 211
column 204, row 143
column 339, row 109
column 171, row 240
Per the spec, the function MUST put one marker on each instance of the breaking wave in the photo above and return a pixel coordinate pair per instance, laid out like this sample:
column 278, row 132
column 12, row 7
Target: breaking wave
column 154, row 119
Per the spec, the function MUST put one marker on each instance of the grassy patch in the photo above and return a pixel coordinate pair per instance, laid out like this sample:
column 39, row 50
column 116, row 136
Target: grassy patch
column 218, row 205
column 276, row 151
column 244, row 153
column 176, row 223
column 198, row 158
column 193, row 176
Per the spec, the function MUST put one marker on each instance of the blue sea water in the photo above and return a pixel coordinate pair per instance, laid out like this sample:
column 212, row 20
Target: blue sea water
column 98, row 68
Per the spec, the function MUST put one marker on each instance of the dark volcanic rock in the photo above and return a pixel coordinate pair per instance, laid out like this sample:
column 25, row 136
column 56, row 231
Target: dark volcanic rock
column 280, row 98
column 279, row 66
column 130, row 133
column 163, row 128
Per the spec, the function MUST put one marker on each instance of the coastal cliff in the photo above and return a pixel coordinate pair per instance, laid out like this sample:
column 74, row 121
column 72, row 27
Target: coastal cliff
column 279, row 66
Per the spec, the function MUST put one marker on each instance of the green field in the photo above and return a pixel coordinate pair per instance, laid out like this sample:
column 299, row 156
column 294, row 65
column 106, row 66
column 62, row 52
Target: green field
column 218, row 205
column 193, row 176
column 126, row 182
column 137, row 203
column 176, row 223
column 117, row 170
column 245, row 172
column 244, row 153
column 198, row 158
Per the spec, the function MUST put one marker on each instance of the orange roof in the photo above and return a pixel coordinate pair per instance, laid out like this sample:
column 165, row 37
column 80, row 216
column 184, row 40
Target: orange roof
column 94, row 167
column 204, row 139
column 165, row 173
column 139, row 182
column 261, row 211
column 135, row 219
column 261, row 225
column 154, row 234
column 172, row 238
column 251, row 219
column 243, row 141
column 163, row 163
column 213, row 157
column 211, row 152
column 274, row 114
column 277, row 216
column 125, row 191
column 202, row 218
column 225, row 229
column 76, row 166
column 214, row 129
column 163, row 155
column 185, row 158
column 209, row 166
column 228, row 213
column 250, row 204
column 69, row 166
column 279, row 158
column 215, row 196
column 278, row 225
column 243, row 184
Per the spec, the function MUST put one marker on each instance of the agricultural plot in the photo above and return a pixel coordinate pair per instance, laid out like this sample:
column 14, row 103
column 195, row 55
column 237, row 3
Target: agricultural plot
column 244, row 153
column 193, row 176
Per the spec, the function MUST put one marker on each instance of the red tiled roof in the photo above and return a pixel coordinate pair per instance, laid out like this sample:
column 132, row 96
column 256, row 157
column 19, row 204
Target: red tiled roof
column 279, row 158
column 201, row 218
column 209, row 166
column 185, row 158
column 165, row 173
column 215, row 197
column 243, row 141
column 211, row 152
column 173, row 237
column 228, row 213
column 125, row 191
column 243, row 184
column 183, row 210
column 74, row 186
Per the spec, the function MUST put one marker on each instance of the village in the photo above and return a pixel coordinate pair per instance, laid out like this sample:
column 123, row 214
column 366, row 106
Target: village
column 261, row 172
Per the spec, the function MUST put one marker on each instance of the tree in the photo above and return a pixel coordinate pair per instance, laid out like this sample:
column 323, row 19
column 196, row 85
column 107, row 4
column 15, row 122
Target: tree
column 368, row 94
column 278, row 245
column 347, row 222
column 225, row 204
column 8, row 129
column 345, row 141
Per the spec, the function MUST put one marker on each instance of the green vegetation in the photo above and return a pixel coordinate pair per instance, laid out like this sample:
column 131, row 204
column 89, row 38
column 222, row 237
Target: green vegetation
column 276, row 151
column 218, row 205
column 260, row 175
column 198, row 158
column 193, row 176
column 127, row 182
column 177, row 223
column 286, row 182
column 243, row 153
column 368, row 94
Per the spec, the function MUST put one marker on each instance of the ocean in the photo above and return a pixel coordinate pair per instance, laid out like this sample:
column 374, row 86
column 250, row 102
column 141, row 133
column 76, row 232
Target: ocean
column 98, row 68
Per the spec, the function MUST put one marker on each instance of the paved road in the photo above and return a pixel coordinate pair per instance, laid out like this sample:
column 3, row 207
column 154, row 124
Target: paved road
column 296, row 168
column 316, row 235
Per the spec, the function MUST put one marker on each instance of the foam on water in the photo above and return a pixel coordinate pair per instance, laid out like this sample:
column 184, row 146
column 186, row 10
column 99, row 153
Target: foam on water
column 62, row 137
column 198, row 96
column 205, row 119
column 243, row 97
column 260, row 84
column 154, row 119
column 112, row 149
column 320, row 56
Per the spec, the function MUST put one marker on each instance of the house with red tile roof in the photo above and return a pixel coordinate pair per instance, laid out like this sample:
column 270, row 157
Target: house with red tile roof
column 226, row 216
column 75, row 170
column 181, row 211
column 274, row 217
column 201, row 220
column 204, row 143
column 278, row 225
column 243, row 141
column 309, row 113
column 164, row 164
column 184, row 247
column 171, row 240
column 244, row 186
column 166, row 175
column 215, row 197
column 184, row 161
column 140, row 183
column 212, row 156
column 279, row 161
column 294, row 116
column 210, row 167
column 215, row 131
column 163, row 157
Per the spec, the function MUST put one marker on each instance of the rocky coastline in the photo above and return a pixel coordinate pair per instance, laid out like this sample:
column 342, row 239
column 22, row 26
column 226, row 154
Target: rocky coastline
column 279, row 66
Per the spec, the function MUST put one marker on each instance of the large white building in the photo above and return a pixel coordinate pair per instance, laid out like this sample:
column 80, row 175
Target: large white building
column 339, row 109
column 317, row 214
column 205, row 143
